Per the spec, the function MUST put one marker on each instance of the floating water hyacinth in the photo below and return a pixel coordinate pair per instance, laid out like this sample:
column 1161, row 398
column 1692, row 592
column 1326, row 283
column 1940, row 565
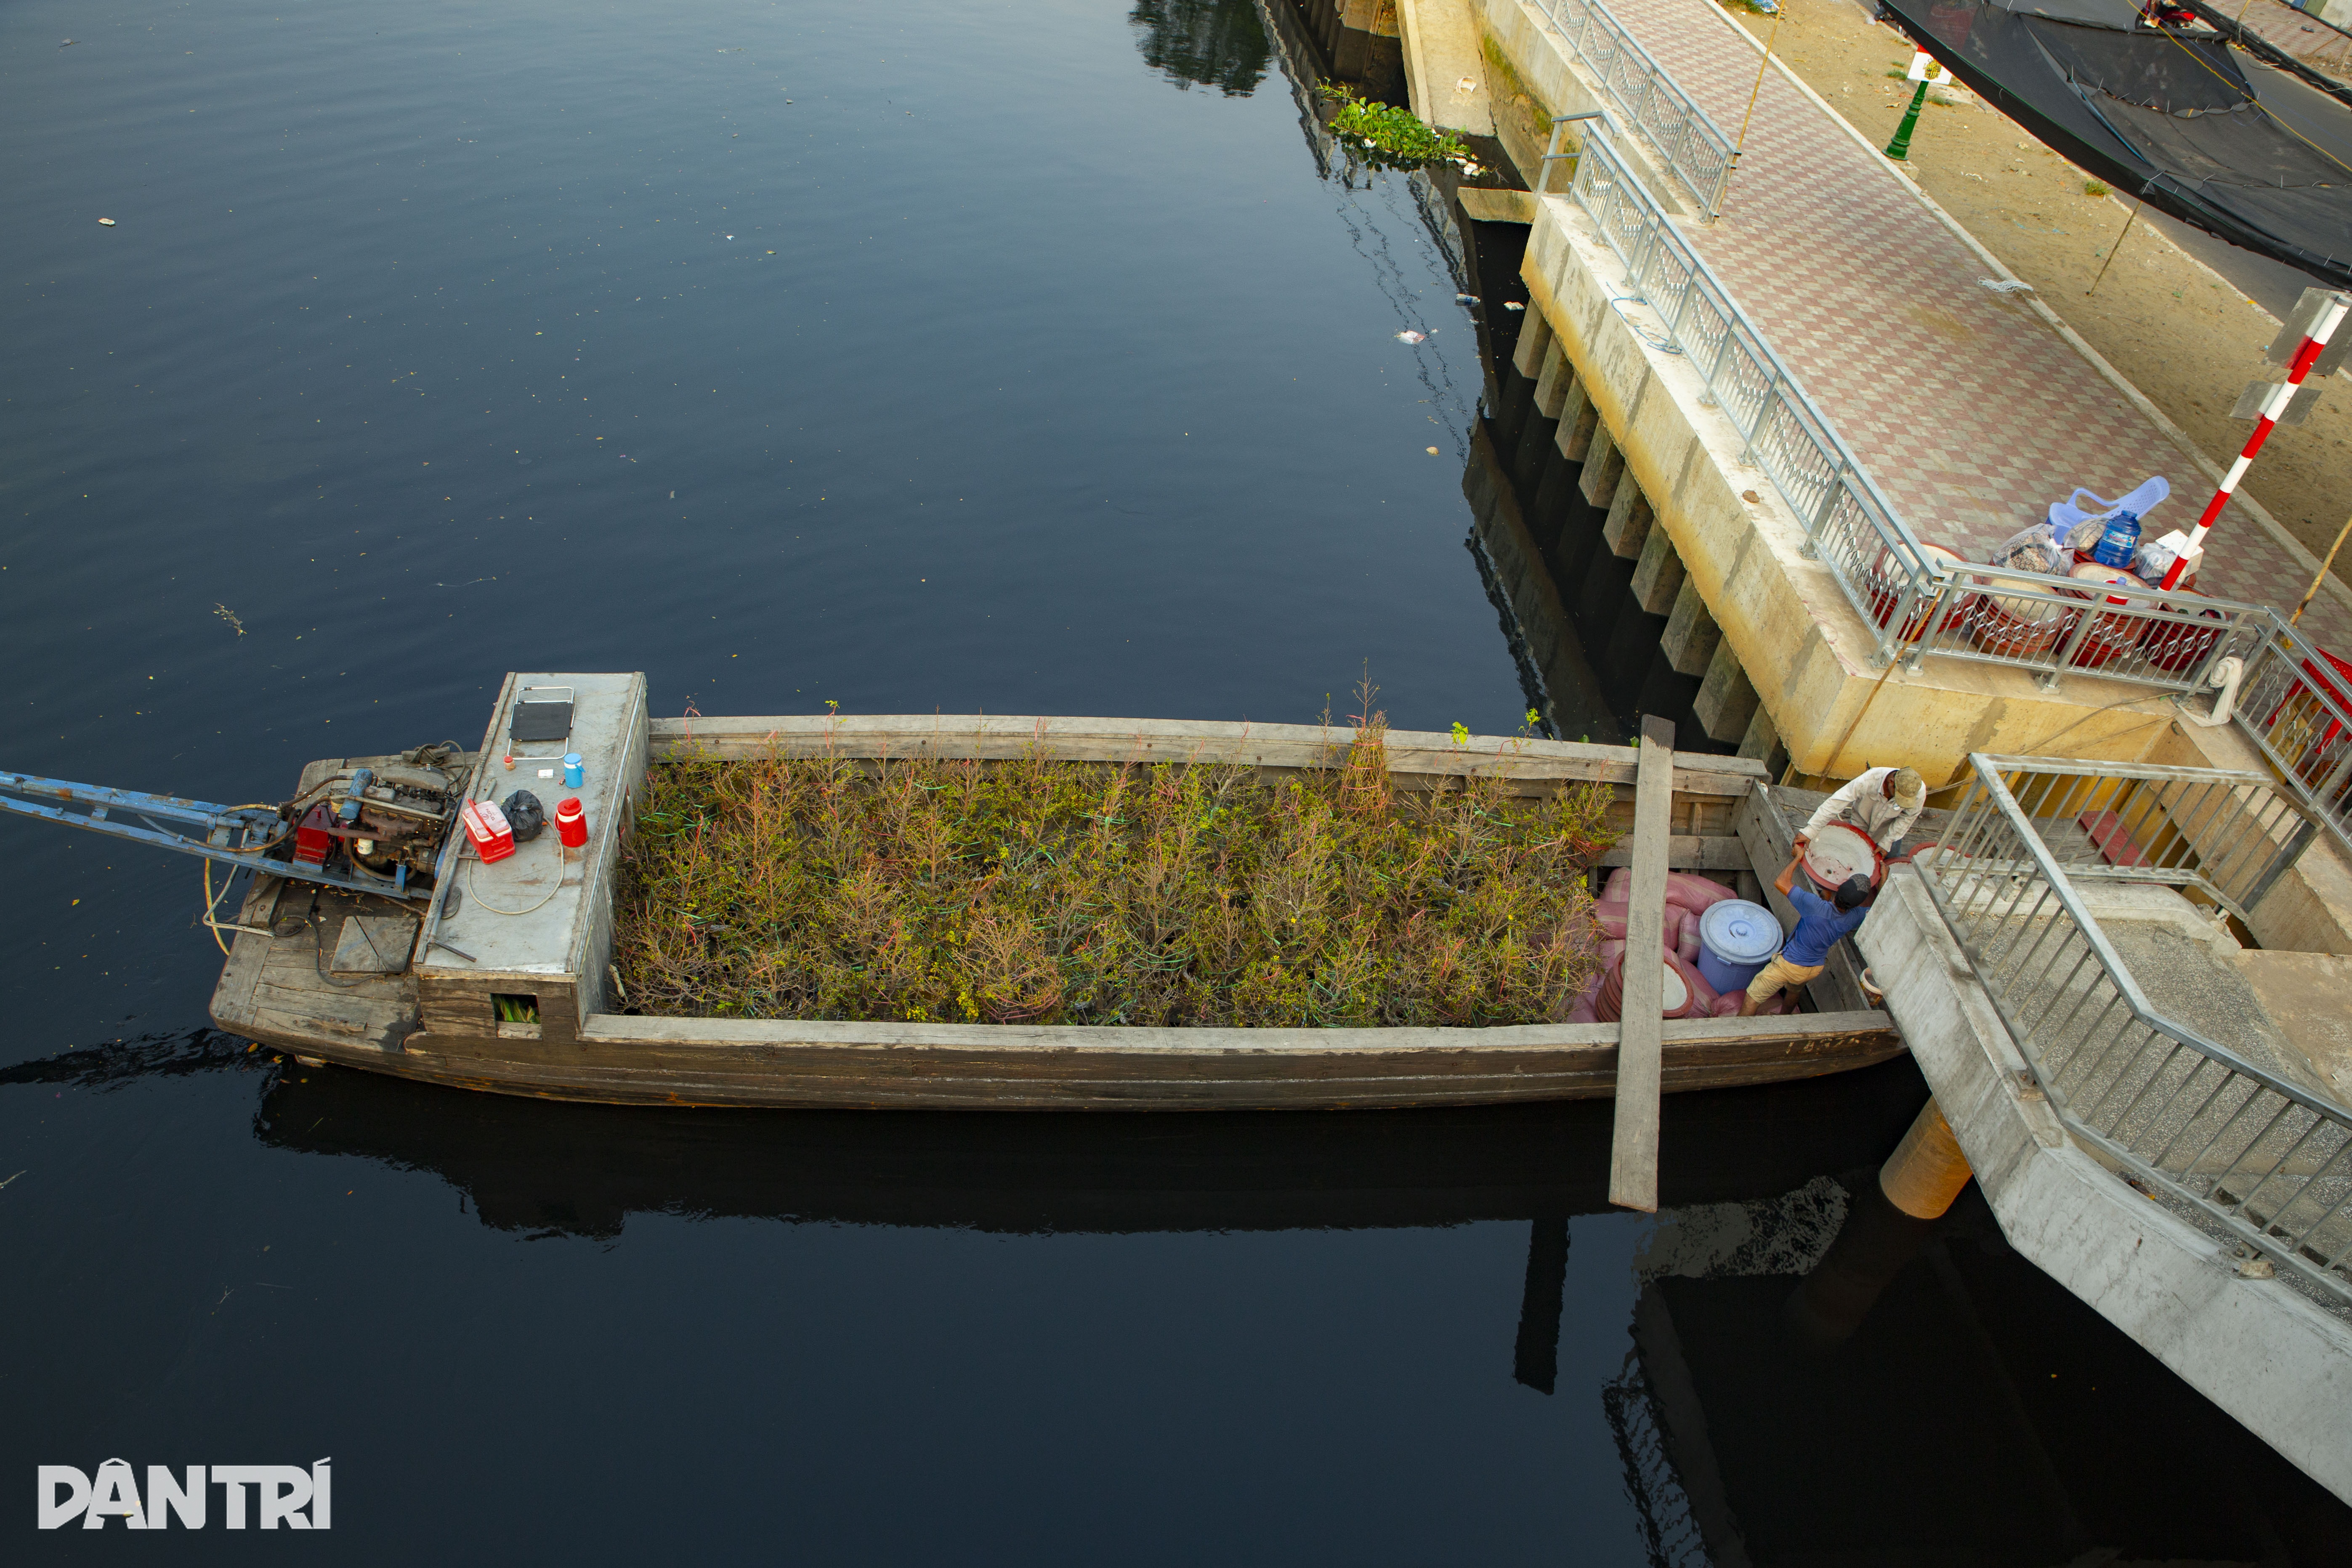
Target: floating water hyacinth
column 1387, row 136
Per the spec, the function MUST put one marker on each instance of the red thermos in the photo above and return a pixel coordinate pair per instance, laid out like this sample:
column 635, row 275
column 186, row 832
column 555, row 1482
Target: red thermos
column 572, row 823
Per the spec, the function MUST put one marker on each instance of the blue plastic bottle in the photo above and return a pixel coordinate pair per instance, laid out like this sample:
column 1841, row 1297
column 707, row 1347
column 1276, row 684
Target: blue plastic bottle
column 2120, row 542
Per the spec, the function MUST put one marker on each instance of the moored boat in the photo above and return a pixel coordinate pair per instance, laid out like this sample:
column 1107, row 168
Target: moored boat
column 498, row 973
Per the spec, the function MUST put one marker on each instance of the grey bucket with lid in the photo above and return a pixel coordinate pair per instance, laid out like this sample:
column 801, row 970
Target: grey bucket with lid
column 1736, row 938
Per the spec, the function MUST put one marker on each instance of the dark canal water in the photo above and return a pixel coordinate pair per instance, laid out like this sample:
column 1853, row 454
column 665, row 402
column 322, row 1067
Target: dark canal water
column 1003, row 356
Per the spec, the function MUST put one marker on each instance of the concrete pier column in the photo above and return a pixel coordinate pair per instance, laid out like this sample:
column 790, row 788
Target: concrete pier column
column 1556, row 381
column 1927, row 1170
column 1691, row 632
column 1535, row 343
column 1537, row 446
column 1762, row 741
column 1577, row 420
column 1658, row 575
column 1604, row 466
column 1630, row 515
column 1726, row 700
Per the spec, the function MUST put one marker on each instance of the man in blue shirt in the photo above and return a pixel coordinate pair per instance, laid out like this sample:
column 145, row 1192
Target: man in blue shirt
column 1821, row 924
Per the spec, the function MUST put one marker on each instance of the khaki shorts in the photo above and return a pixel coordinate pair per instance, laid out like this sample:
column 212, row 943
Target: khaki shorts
column 1776, row 974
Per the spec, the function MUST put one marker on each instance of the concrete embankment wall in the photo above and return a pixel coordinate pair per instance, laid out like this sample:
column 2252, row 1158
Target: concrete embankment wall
column 1787, row 660
column 1699, row 558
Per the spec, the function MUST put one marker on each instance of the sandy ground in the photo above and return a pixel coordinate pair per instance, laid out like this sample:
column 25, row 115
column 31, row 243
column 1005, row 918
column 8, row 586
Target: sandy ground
column 2174, row 328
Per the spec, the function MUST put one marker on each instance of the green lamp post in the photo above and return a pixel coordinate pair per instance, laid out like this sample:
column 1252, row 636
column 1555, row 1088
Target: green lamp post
column 1900, row 148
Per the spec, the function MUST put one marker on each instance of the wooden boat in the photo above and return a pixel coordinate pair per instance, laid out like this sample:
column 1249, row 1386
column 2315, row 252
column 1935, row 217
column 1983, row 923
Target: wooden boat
column 504, row 981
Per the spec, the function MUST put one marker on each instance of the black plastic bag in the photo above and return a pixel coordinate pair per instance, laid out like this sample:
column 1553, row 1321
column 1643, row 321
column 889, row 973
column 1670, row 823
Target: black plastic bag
column 524, row 814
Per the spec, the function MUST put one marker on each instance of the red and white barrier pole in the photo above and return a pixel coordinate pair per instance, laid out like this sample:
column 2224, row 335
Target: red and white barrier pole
column 2275, row 404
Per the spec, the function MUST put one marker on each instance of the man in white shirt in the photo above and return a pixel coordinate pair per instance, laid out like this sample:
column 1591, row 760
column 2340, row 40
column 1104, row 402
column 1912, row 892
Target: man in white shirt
column 1883, row 803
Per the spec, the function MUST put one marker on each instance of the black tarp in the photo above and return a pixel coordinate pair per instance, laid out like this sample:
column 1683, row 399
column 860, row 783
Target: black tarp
column 2179, row 120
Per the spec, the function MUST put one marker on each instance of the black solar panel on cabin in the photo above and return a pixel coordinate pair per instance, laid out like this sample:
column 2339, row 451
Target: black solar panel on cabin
column 540, row 721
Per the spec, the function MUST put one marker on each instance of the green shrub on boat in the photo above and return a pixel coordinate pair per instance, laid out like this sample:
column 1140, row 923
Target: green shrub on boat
column 1037, row 891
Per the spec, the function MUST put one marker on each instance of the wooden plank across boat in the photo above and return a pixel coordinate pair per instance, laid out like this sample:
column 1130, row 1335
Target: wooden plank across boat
column 506, row 982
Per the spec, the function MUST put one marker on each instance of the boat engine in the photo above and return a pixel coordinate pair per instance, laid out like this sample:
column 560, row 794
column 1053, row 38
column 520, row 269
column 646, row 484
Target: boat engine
column 381, row 819
column 374, row 829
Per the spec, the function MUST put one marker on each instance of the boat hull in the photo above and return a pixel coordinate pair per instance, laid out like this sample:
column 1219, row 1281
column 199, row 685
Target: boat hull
column 726, row 1062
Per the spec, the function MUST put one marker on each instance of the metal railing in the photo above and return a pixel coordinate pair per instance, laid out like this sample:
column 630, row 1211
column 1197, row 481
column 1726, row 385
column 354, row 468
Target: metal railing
column 2295, row 708
column 1919, row 601
column 2056, row 626
column 1853, row 525
column 2265, row 1162
column 2224, row 838
column 1691, row 146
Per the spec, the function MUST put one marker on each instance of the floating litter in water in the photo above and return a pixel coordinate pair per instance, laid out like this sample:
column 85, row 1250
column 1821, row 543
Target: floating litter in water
column 730, row 237
column 1411, row 337
column 1430, row 450
column 1514, row 305
column 106, row 222
column 1465, row 298
column 1467, row 84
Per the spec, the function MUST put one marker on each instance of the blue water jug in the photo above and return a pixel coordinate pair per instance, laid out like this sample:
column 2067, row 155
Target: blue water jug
column 2120, row 542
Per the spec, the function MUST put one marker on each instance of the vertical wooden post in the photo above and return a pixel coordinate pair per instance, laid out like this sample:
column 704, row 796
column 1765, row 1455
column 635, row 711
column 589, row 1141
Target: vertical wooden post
column 1633, row 1148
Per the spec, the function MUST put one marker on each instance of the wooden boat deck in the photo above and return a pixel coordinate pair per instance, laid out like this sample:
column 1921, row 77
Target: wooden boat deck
column 277, row 987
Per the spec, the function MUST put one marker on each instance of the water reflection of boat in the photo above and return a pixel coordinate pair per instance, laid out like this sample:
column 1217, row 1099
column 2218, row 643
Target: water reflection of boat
column 584, row 1169
column 1930, row 1433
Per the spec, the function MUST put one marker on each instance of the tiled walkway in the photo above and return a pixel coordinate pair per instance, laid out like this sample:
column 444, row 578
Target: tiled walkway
column 1969, row 412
